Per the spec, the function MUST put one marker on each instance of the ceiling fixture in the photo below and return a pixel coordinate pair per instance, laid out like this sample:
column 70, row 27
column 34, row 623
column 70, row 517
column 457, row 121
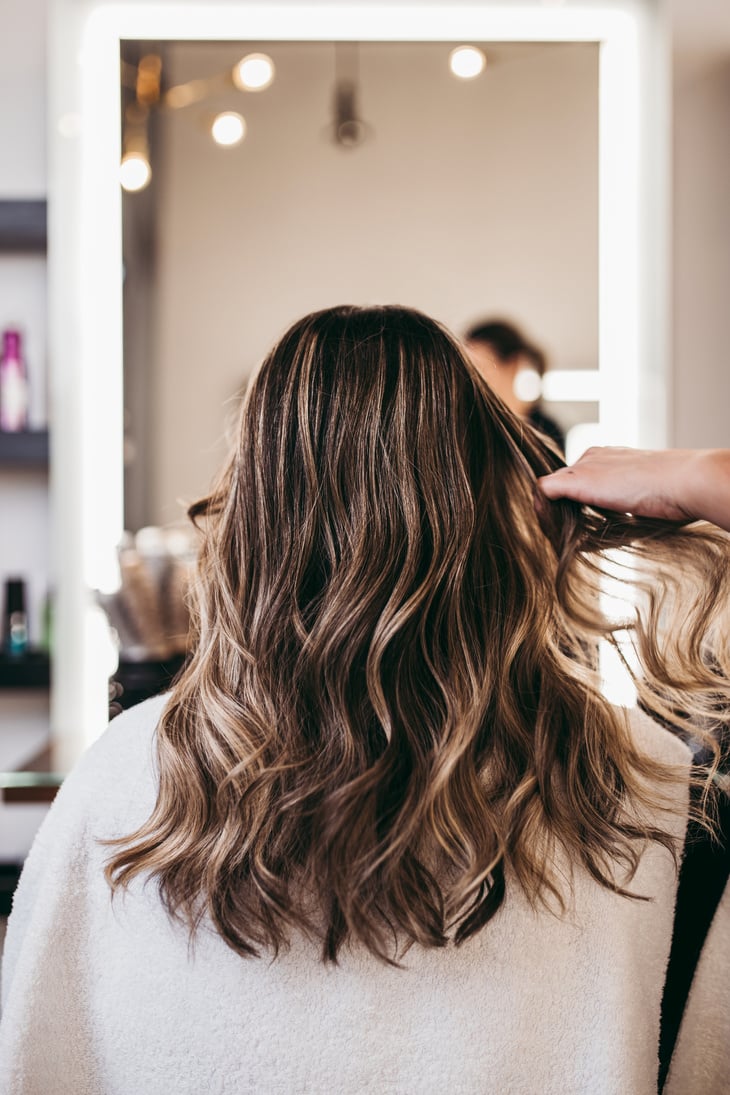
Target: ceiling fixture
column 228, row 128
column 182, row 95
column 254, row 72
column 134, row 171
column 348, row 130
column 143, row 81
column 466, row 62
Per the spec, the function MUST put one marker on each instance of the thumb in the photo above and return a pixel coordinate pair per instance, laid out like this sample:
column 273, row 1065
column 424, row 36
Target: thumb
column 553, row 485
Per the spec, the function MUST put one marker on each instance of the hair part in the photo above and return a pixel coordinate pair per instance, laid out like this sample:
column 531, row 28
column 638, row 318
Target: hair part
column 391, row 706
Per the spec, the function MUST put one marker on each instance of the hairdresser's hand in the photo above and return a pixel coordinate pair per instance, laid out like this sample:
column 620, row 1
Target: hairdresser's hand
column 675, row 484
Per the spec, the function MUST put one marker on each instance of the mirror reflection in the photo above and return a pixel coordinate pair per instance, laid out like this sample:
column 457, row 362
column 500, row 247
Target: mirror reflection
column 355, row 173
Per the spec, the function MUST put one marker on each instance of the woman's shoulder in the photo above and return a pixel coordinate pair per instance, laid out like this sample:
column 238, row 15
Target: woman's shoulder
column 118, row 770
column 666, row 775
column 657, row 741
column 130, row 733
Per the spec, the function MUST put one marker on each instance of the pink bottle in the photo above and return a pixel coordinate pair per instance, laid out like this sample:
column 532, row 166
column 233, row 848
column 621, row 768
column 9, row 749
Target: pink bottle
column 13, row 385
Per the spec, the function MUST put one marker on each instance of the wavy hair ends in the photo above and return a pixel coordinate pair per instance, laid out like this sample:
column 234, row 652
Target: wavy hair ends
column 391, row 712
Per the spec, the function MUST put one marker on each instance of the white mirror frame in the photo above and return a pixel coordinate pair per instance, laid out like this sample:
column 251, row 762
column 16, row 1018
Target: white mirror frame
column 85, row 320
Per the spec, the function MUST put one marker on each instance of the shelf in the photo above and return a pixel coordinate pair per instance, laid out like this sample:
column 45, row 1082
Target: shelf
column 23, row 226
column 24, row 449
column 29, row 788
column 37, row 781
column 23, row 230
column 31, row 670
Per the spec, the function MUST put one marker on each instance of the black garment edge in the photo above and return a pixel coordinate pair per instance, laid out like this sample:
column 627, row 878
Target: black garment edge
column 702, row 881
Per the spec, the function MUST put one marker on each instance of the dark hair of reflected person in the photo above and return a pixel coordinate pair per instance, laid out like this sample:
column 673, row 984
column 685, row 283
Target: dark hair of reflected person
column 506, row 341
column 391, row 713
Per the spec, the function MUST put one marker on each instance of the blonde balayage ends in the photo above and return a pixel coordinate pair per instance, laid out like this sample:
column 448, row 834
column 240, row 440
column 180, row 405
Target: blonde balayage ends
column 390, row 712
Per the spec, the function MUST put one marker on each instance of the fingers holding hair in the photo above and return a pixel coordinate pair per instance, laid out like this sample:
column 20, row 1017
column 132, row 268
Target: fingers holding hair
column 641, row 482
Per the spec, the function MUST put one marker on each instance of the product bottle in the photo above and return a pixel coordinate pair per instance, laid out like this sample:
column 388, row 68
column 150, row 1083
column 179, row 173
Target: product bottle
column 13, row 385
column 46, row 642
column 15, row 637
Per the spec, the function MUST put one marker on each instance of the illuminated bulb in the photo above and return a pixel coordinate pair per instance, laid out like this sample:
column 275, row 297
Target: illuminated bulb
column 528, row 385
column 466, row 62
column 254, row 72
column 228, row 128
column 134, row 171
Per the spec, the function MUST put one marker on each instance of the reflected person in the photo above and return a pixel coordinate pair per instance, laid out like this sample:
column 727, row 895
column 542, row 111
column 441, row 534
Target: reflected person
column 501, row 352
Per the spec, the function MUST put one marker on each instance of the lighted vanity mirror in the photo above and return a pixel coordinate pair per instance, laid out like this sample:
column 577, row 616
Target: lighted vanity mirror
column 554, row 220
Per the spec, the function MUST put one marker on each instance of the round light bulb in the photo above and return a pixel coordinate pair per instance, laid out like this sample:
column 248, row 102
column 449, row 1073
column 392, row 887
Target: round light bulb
column 528, row 385
column 254, row 72
column 466, row 62
column 134, row 171
column 228, row 128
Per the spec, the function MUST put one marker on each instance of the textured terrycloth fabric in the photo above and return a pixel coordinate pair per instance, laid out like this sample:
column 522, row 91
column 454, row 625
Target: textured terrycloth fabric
column 107, row 997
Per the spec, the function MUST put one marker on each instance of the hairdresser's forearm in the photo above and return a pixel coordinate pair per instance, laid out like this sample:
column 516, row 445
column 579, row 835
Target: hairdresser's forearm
column 675, row 484
column 708, row 486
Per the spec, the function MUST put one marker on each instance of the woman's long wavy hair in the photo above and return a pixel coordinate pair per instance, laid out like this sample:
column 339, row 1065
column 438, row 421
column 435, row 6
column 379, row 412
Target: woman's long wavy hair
column 391, row 711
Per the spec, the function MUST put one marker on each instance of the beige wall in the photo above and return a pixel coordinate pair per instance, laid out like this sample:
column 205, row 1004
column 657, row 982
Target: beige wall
column 701, row 267
column 469, row 199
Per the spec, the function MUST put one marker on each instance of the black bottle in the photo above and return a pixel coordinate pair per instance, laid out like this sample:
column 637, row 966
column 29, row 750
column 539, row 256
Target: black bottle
column 15, row 617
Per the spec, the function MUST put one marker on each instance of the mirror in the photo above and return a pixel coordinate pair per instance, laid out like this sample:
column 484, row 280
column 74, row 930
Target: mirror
column 368, row 172
column 628, row 328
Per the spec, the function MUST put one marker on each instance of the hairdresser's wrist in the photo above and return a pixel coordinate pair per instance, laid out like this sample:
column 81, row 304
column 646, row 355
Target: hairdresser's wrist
column 704, row 489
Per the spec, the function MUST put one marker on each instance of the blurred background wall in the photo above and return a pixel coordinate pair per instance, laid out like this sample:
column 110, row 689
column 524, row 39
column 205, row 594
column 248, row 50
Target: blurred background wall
column 466, row 199
column 701, row 228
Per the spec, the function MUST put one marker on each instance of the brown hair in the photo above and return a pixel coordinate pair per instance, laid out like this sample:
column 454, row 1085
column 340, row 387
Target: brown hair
column 391, row 706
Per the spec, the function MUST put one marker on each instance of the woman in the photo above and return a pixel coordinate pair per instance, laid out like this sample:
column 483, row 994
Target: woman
column 500, row 351
column 384, row 834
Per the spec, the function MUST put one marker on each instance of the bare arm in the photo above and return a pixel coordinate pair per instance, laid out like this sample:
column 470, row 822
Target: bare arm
column 675, row 484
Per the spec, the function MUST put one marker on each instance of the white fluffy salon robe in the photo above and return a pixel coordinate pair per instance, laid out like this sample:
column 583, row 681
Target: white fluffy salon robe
column 107, row 998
